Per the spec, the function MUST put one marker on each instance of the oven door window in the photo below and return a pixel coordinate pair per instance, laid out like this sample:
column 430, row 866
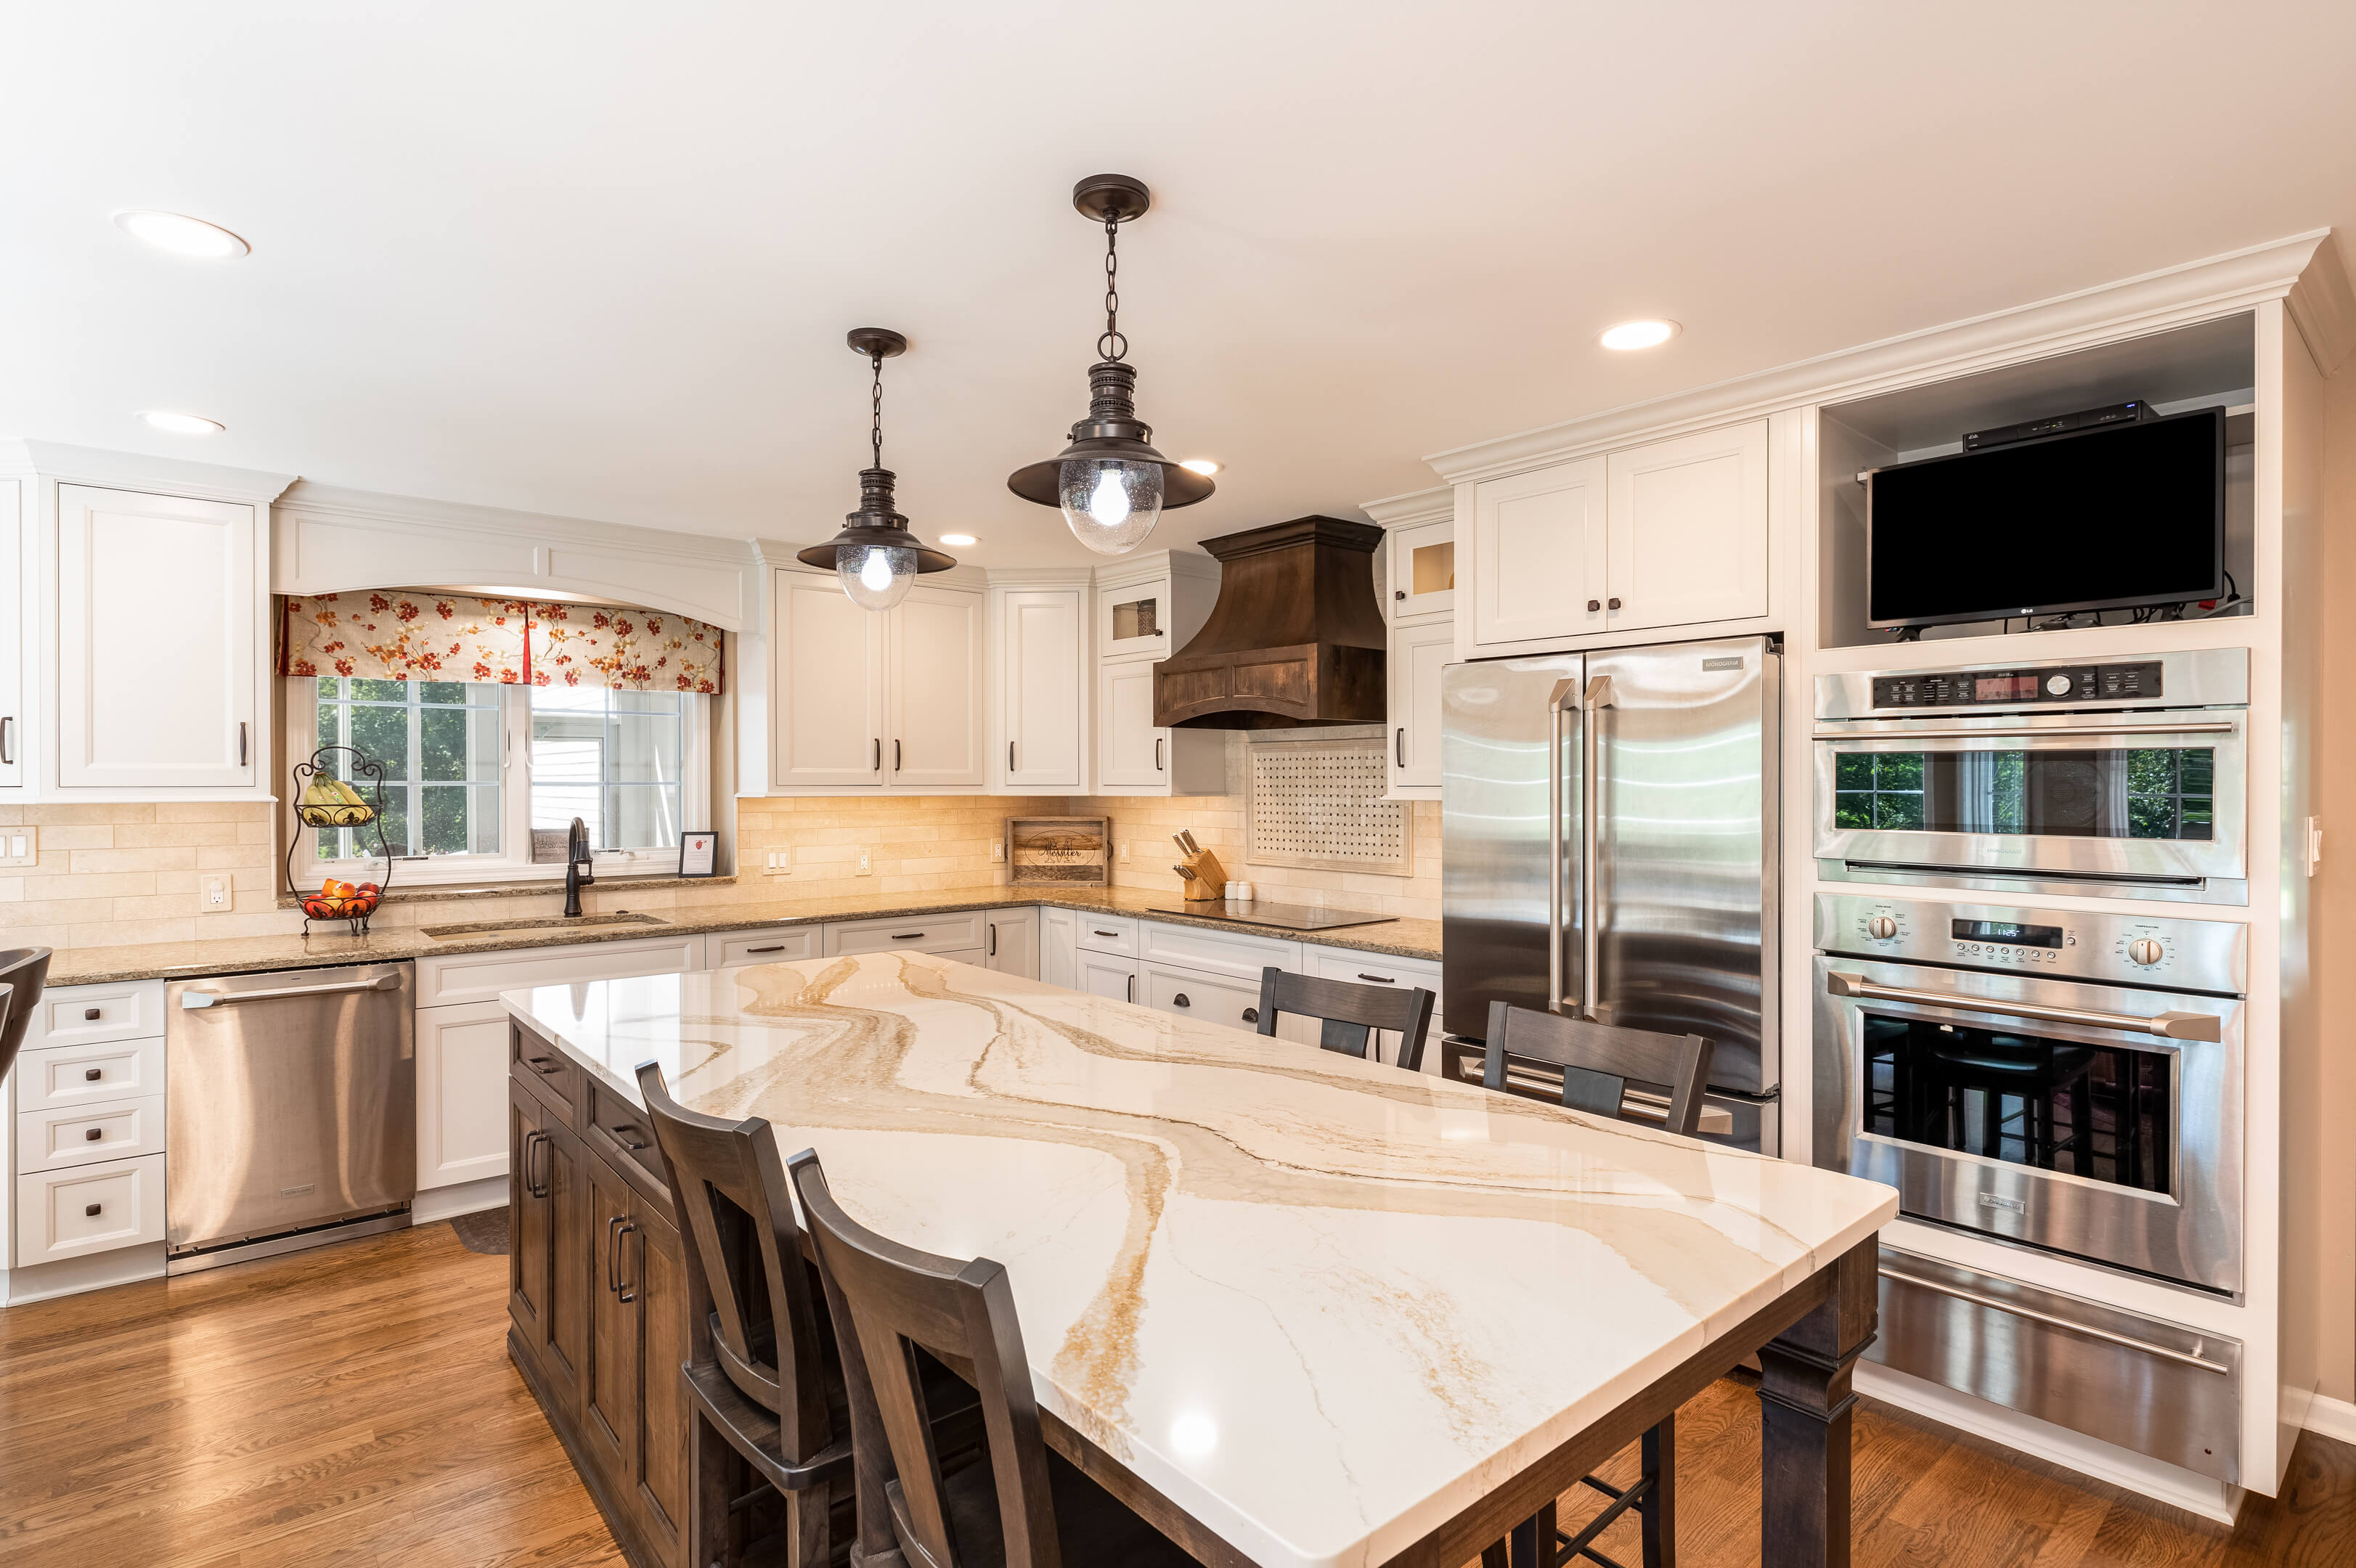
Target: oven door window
column 2101, row 1111
column 2156, row 792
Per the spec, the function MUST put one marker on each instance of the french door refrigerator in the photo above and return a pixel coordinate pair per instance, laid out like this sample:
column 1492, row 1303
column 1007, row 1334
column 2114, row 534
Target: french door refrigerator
column 1608, row 850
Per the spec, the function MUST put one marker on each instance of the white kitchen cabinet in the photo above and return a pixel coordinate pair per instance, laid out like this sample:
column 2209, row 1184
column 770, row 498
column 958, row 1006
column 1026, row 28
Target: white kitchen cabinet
column 863, row 700
column 1059, row 947
column 1012, row 944
column 15, row 630
column 1107, row 974
column 462, row 1107
column 61, row 1136
column 1137, row 756
column 1134, row 620
column 1686, row 530
column 1209, row 999
column 481, row 977
column 1379, row 969
column 1537, row 547
column 727, row 949
column 1041, row 688
column 132, row 567
column 1423, row 569
column 933, row 676
column 1417, row 654
column 912, row 933
column 87, row 1209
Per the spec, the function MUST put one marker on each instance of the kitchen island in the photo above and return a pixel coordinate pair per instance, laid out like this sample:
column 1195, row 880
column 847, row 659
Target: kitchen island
column 1296, row 1308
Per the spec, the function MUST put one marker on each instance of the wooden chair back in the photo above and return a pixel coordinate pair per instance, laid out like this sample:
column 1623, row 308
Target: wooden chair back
column 1349, row 1012
column 737, row 1228
column 26, row 971
column 888, row 1301
column 1599, row 1061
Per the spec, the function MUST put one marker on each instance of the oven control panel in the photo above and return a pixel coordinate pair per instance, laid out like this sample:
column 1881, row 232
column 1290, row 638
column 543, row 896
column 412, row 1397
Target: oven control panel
column 2175, row 955
column 2020, row 687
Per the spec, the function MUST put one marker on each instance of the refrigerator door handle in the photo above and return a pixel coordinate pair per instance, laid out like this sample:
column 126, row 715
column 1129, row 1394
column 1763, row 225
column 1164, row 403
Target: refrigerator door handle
column 1557, row 788
column 1599, row 696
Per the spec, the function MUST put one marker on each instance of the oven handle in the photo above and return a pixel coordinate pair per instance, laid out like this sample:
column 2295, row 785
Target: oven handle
column 2217, row 727
column 2048, row 1318
column 2167, row 1026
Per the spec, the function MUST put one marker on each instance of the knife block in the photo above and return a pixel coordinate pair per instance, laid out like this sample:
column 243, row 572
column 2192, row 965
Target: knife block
column 1208, row 874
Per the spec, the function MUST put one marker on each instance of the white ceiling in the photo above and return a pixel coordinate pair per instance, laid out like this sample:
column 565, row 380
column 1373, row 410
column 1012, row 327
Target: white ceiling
column 597, row 259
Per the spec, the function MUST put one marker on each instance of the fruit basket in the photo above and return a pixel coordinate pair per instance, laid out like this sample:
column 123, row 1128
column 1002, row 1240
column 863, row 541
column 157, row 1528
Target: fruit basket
column 327, row 802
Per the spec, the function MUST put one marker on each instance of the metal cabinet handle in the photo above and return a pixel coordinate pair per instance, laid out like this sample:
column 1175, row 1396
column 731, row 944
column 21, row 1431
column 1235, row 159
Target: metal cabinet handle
column 613, row 1258
column 1010, row 756
column 1094, row 932
column 1252, row 1014
column 1132, row 988
column 1613, row 604
column 531, row 1185
column 627, row 1290
column 1180, row 1000
column 895, row 754
column 1377, row 979
column 993, row 941
column 90, row 1014
column 92, row 1075
column 1398, row 747
column 240, row 743
column 1593, row 604
column 7, row 725
column 877, row 765
column 1157, row 753
column 89, row 1210
column 2184, row 1357
column 92, row 1135
column 907, row 936
column 553, row 1068
column 622, row 1131
column 2164, row 1026
column 1398, row 592
column 773, row 947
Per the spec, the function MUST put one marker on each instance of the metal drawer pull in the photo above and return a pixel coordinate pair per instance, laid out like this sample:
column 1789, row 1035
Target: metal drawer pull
column 907, row 936
column 993, row 941
column 89, row 1210
column 877, row 765
column 553, row 1068
column 1398, row 748
column 2166, row 1026
column 2185, row 1356
column 1178, row 1001
column 192, row 999
column 1377, row 979
column 90, row 1014
column 773, row 947
column 613, row 1255
column 1094, row 932
column 1252, row 1014
column 93, row 1133
column 7, row 724
column 2069, row 734
column 629, row 1291
column 622, row 1131
column 92, row 1075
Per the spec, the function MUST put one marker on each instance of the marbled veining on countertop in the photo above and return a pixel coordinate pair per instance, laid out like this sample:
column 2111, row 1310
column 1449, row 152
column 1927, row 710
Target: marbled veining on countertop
column 1319, row 1303
column 176, row 960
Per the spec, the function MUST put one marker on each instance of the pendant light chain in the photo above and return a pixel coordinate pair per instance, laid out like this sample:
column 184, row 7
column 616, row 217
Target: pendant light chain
column 875, row 403
column 1112, row 346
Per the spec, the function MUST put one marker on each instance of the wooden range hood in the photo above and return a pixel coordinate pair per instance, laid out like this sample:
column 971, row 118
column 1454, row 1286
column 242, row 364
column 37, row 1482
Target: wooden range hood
column 1296, row 636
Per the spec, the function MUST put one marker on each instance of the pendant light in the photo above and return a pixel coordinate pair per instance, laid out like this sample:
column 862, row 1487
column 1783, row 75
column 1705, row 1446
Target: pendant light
column 1111, row 484
column 876, row 555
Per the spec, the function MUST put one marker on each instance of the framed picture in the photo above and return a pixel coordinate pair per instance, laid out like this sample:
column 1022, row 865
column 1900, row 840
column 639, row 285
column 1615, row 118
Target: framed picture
column 699, row 854
column 1058, row 851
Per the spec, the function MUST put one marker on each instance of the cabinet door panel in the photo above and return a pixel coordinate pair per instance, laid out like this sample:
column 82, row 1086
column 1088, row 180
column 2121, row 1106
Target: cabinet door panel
column 1133, row 750
column 655, row 1271
column 933, row 739
column 1103, row 977
column 609, row 1397
column 1013, row 944
column 827, row 687
column 1418, row 655
column 1423, row 571
column 1135, row 621
column 12, row 636
column 1688, row 529
column 126, row 719
column 566, row 1346
column 1059, row 957
column 1538, row 549
column 1042, row 692
column 461, row 1059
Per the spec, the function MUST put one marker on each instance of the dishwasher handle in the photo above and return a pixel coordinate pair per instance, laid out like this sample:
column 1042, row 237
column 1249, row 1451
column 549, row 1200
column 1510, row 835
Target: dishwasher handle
column 193, row 1000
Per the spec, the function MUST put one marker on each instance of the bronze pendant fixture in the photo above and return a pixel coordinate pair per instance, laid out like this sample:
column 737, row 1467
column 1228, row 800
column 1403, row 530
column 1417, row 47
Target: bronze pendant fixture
column 876, row 555
column 1109, row 482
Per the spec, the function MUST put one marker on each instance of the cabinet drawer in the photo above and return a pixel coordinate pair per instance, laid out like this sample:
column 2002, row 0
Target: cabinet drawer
column 1101, row 933
column 481, row 977
column 725, row 950
column 70, row 1075
column 85, row 1015
column 89, row 1208
column 937, row 933
column 1210, row 998
column 551, row 1075
column 85, row 1135
column 1232, row 954
column 624, row 1139
column 1370, row 969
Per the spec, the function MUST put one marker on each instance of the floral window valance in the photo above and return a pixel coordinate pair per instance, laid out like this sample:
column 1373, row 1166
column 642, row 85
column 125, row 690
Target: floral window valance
column 396, row 634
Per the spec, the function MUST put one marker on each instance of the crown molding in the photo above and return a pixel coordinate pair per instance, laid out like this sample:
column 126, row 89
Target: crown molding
column 2323, row 308
column 2130, row 307
column 373, row 506
column 1435, row 504
column 137, row 471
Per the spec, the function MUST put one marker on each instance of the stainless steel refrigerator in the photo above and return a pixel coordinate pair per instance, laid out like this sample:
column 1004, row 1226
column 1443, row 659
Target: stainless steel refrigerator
column 1609, row 849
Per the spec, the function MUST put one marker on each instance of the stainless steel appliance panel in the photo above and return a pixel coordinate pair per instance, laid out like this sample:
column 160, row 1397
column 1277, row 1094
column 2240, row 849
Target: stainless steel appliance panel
column 292, row 1102
column 1683, row 741
column 2156, row 1387
column 1510, row 759
column 2204, row 678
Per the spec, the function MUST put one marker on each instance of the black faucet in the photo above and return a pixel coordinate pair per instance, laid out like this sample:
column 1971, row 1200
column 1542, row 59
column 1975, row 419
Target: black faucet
column 576, row 868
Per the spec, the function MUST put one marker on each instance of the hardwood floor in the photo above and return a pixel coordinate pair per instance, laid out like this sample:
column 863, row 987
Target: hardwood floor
column 355, row 1407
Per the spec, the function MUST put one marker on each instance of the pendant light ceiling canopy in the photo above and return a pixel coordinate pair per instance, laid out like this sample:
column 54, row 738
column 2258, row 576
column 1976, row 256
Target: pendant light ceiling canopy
column 876, row 555
column 1110, row 483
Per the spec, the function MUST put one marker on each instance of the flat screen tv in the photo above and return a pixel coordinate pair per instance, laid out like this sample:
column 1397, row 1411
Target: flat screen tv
column 2110, row 519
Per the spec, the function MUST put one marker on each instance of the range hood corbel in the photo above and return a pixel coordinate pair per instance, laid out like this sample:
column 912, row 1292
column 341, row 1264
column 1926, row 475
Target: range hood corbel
column 1296, row 636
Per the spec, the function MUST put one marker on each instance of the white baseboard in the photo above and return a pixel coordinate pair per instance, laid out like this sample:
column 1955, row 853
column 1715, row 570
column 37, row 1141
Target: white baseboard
column 71, row 1276
column 2331, row 1417
column 2103, row 1461
column 462, row 1198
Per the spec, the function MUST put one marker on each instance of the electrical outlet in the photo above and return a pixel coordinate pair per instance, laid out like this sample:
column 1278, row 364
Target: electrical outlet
column 20, row 846
column 213, row 896
column 998, row 849
column 866, row 861
column 1124, row 851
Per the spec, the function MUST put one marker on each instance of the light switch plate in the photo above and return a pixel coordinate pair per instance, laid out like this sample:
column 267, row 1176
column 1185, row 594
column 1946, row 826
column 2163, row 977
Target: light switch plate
column 19, row 846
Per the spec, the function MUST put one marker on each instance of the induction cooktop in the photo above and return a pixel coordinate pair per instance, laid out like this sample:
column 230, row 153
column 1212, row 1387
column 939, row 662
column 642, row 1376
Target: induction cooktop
column 1285, row 917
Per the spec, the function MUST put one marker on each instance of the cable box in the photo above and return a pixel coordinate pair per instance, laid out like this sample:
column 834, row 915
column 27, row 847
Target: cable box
column 2085, row 419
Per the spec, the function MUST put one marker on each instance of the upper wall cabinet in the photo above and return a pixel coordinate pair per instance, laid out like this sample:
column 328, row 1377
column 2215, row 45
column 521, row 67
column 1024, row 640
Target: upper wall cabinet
column 1674, row 534
column 1149, row 606
column 15, row 643
column 1042, row 688
column 863, row 700
column 1423, row 569
column 933, row 667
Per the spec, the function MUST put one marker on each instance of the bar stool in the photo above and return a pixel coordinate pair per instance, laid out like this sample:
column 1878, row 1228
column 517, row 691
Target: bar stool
column 1598, row 1062
column 1349, row 1012
column 26, row 971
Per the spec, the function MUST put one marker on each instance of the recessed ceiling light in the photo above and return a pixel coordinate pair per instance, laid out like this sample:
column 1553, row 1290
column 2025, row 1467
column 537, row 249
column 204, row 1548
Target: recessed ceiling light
column 1202, row 465
column 181, row 236
column 1639, row 334
column 181, row 424
column 959, row 539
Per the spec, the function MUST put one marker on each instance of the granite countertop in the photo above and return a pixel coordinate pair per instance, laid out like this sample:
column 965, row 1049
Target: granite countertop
column 176, row 960
column 1319, row 1303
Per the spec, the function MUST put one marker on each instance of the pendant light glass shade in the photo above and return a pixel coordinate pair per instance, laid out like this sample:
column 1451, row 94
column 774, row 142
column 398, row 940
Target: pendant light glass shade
column 1110, row 503
column 875, row 576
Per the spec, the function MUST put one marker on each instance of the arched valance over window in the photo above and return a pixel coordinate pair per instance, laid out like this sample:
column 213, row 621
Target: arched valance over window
column 403, row 635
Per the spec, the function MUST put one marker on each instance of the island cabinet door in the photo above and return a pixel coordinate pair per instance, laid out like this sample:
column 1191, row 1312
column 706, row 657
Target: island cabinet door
column 656, row 1270
column 608, row 1402
column 527, row 1219
column 548, row 1209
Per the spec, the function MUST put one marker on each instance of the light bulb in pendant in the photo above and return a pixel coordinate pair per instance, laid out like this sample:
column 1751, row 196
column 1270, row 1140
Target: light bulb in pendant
column 1110, row 503
column 876, row 576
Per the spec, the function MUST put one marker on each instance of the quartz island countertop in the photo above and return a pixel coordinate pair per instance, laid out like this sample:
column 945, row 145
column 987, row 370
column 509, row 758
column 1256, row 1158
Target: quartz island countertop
column 177, row 960
column 1319, row 1303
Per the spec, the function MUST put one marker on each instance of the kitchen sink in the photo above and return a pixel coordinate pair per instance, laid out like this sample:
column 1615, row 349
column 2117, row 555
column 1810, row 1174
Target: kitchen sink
column 540, row 923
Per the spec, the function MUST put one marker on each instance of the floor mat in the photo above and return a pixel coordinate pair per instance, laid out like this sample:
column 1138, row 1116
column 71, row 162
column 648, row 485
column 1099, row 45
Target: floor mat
column 485, row 1231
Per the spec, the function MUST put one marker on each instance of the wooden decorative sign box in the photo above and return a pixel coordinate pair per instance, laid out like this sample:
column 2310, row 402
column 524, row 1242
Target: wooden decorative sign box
column 1058, row 851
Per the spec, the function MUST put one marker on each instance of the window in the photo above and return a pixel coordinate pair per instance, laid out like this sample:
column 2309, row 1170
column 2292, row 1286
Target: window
column 473, row 770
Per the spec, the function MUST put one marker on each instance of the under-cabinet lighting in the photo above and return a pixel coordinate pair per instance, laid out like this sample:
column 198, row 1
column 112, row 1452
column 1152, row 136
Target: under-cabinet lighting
column 181, row 424
column 1639, row 334
column 181, row 235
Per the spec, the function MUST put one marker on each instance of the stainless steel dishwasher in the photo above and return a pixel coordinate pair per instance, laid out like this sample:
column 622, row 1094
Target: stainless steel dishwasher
column 293, row 1116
